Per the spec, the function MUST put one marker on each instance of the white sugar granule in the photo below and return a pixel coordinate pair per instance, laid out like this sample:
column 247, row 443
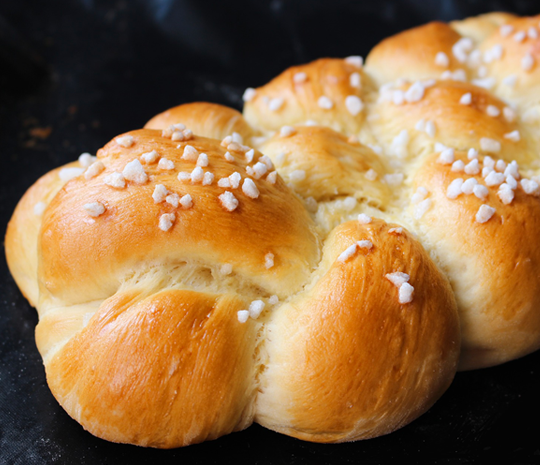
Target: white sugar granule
column 364, row 219
column 269, row 260
column 513, row 136
column 67, row 174
column 208, row 178
column 229, row 201
column 267, row 161
column 355, row 60
column 134, row 171
column 490, row 145
column 529, row 186
column 458, row 166
column 249, row 94
column 447, row 157
column 115, row 179
column 397, row 278
column 94, row 208
column 406, row 292
column 197, row 175
column 272, row 177
column 275, row 104
column 484, row 214
column 149, row 157
column 186, row 201
column 421, row 208
column 173, row 199
column 125, row 141
column 242, row 315
column 494, row 178
column 165, row 164
column 454, row 189
column 420, row 194
column 353, row 104
column 39, row 208
column 94, row 169
column 235, row 179
column 287, row 131
column 166, row 221
column 86, row 159
column 299, row 77
column 255, row 308
column 473, row 167
column 414, row 93
column 325, row 103
column 506, row 194
column 371, row 175
column 441, row 59
column 347, row 253
column 480, row 191
column 249, row 155
column 394, row 179
column 160, row 193
column 468, row 186
column 297, row 175
column 250, row 189
column 365, row 244
column 202, row 160
column 190, row 153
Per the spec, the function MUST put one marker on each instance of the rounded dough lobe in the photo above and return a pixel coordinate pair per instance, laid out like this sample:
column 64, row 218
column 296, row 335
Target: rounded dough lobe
column 332, row 166
column 204, row 119
column 456, row 125
column 165, row 370
column 326, row 94
column 411, row 54
column 493, row 266
column 345, row 360
column 85, row 258
column 23, row 231
column 478, row 28
column 526, row 89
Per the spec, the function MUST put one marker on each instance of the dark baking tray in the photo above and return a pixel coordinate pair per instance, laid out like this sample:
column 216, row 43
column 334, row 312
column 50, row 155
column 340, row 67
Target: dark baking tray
column 73, row 74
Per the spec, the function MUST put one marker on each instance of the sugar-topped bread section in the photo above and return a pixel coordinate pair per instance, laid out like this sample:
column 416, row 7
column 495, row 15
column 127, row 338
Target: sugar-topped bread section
column 431, row 114
column 152, row 200
column 163, row 262
column 322, row 263
column 491, row 257
column 457, row 99
column 390, row 303
column 328, row 92
column 333, row 174
column 421, row 53
column 515, row 67
column 204, row 119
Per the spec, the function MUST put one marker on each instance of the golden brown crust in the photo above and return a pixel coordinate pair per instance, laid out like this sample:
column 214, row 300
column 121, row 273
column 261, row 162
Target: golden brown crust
column 333, row 166
column 288, row 100
column 23, row 230
column 127, row 234
column 457, row 125
column 370, row 364
column 204, row 119
column 165, row 370
column 525, row 90
column 482, row 26
column 151, row 308
column 492, row 266
column 412, row 54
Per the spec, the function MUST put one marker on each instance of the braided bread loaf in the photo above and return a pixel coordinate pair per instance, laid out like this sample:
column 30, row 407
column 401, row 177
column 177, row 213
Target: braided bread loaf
column 321, row 265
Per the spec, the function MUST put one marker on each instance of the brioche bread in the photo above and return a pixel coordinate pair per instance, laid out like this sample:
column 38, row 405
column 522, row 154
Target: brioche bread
column 321, row 264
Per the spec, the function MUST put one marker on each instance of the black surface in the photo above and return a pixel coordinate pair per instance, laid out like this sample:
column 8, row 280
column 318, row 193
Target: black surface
column 73, row 74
